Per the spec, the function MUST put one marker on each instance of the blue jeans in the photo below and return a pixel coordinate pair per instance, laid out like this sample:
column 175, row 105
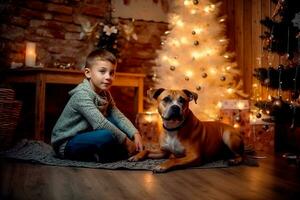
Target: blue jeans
column 98, row 145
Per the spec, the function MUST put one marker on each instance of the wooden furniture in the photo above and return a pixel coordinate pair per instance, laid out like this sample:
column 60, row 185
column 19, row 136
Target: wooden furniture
column 43, row 76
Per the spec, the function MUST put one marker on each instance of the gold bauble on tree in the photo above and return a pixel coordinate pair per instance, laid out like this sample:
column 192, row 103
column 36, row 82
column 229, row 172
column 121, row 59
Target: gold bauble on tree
column 258, row 115
column 172, row 68
column 267, row 81
column 204, row 75
column 277, row 103
column 222, row 78
column 265, row 127
column 237, row 118
column 195, row 2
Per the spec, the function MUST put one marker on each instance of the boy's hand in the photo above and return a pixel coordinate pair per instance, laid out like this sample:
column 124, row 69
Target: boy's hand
column 138, row 142
column 129, row 146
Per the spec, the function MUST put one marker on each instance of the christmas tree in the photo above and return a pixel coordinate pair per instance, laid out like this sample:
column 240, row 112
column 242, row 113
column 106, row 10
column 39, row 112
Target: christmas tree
column 280, row 81
column 281, row 38
column 194, row 57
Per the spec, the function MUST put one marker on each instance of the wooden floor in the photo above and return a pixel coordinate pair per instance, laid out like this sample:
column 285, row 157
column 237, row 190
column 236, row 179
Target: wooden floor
column 273, row 179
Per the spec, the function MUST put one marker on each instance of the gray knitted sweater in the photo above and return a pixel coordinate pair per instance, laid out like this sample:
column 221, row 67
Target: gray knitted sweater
column 85, row 111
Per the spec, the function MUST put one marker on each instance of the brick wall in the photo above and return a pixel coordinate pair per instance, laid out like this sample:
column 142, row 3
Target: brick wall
column 54, row 26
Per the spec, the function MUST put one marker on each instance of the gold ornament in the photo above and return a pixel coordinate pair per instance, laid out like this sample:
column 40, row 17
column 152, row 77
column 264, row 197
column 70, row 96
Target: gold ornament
column 265, row 127
column 222, row 78
column 193, row 32
column 237, row 118
column 196, row 43
column 267, row 81
column 204, row 75
column 277, row 104
column 172, row 68
column 195, row 2
column 187, row 78
column 258, row 115
column 198, row 88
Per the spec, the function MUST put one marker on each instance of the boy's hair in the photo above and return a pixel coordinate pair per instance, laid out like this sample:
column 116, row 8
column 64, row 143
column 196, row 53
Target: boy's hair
column 100, row 54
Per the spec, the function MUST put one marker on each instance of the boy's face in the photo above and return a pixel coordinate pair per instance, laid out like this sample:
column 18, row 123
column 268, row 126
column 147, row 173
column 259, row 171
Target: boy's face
column 100, row 75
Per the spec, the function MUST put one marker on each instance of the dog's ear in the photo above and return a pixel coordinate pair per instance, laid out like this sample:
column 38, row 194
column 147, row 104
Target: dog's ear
column 191, row 95
column 154, row 93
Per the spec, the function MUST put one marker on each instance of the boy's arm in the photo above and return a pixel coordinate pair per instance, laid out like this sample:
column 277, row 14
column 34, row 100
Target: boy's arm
column 123, row 122
column 85, row 105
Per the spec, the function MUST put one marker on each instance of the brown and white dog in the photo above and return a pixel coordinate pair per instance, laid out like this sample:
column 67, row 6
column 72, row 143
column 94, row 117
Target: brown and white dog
column 185, row 140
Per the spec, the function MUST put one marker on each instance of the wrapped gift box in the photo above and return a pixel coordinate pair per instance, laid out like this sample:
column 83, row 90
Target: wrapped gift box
column 263, row 137
column 257, row 134
column 237, row 114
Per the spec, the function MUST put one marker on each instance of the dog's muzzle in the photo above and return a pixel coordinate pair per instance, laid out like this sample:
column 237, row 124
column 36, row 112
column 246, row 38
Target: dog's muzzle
column 174, row 113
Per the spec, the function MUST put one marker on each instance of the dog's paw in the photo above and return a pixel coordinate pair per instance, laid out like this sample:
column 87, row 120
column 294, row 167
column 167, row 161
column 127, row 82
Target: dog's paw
column 235, row 161
column 159, row 169
column 133, row 159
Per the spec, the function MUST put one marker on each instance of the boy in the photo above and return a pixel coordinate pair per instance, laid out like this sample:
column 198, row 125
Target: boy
column 91, row 126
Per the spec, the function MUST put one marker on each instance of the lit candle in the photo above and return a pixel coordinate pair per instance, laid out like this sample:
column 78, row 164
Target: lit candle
column 30, row 56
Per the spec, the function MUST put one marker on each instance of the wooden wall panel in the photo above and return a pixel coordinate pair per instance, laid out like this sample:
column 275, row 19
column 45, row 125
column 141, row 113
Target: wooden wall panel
column 248, row 45
column 239, row 32
column 244, row 17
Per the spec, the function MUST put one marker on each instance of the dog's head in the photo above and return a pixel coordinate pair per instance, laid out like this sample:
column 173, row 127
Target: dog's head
column 173, row 105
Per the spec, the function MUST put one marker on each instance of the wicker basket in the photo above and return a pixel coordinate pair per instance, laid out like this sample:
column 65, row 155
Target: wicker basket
column 9, row 116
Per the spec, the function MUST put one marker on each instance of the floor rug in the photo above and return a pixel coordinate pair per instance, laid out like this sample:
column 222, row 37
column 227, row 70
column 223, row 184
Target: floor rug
column 42, row 153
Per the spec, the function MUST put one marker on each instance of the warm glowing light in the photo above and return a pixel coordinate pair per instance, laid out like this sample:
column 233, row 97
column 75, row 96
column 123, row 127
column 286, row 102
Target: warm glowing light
column 254, row 85
column 213, row 70
column 165, row 58
column 193, row 11
column 196, row 54
column 198, row 30
column 209, row 8
column 187, row 2
column 236, row 125
column 240, row 105
column 269, row 97
column 252, row 118
column 180, row 23
column 226, row 56
column 175, row 42
column 30, row 54
column 222, row 40
column 183, row 40
column 222, row 20
column 230, row 91
column 219, row 104
column 174, row 62
column 228, row 68
column 150, row 116
column 148, row 182
column 189, row 73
